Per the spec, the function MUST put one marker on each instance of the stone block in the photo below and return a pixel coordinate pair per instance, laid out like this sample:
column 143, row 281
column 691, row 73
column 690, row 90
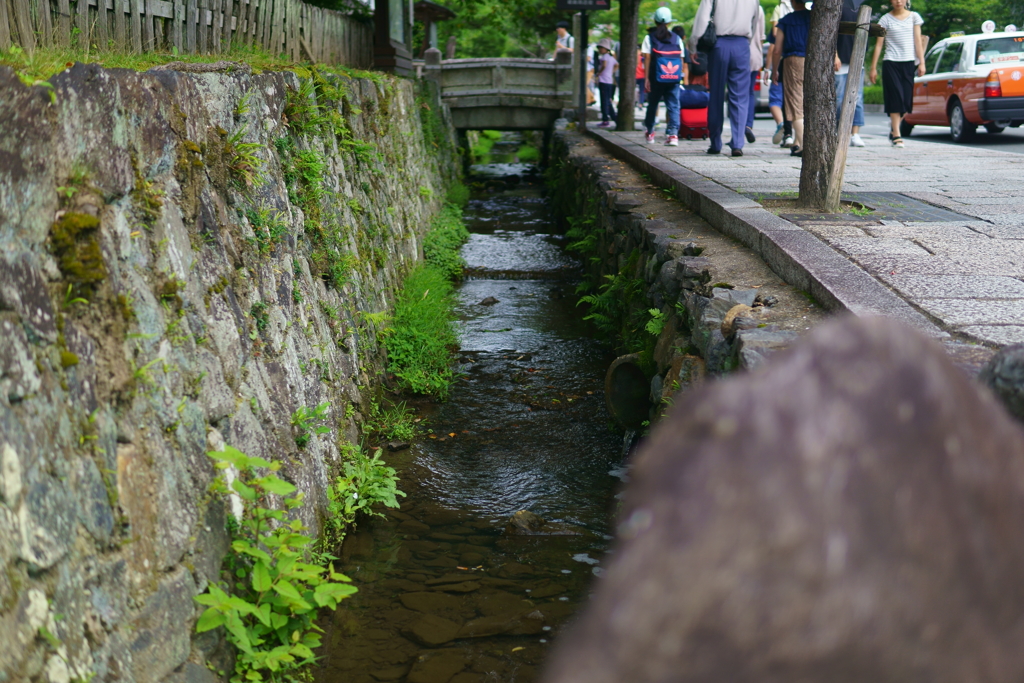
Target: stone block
column 663, row 348
column 46, row 519
column 431, row 630
column 868, row 527
column 23, row 289
column 191, row 673
column 19, row 377
column 753, row 347
column 163, row 628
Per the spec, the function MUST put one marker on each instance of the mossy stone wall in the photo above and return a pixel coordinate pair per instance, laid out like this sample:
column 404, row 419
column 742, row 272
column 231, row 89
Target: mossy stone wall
column 185, row 260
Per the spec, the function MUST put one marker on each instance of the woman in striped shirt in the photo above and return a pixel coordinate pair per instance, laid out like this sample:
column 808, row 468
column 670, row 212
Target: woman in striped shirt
column 904, row 55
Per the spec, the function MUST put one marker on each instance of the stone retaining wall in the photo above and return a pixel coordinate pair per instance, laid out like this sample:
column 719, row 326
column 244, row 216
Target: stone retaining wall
column 708, row 329
column 157, row 300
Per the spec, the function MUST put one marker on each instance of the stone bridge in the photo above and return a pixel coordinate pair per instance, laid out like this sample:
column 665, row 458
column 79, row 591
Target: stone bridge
column 502, row 93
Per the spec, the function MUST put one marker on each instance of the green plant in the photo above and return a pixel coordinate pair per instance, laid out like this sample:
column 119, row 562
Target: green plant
column 366, row 481
column 259, row 315
column 441, row 243
column 268, row 227
column 394, row 422
column 458, row 194
column 422, row 337
column 70, row 298
column 426, row 193
column 657, row 322
column 268, row 608
column 243, row 162
column 310, row 421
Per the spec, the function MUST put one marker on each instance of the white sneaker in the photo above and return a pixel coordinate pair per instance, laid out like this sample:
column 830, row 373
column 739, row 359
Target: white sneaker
column 788, row 142
column 855, row 140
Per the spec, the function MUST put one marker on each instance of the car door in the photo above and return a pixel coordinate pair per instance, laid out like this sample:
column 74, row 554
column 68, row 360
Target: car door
column 947, row 75
column 923, row 104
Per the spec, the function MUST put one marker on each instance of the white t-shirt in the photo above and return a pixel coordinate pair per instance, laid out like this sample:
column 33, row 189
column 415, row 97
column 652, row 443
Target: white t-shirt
column 645, row 47
column 566, row 42
column 781, row 10
column 899, row 37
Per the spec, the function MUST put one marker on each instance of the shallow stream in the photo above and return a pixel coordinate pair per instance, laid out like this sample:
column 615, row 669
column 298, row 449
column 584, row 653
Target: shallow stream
column 446, row 594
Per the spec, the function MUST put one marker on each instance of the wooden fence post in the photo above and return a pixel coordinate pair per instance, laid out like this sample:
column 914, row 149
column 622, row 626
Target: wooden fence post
column 5, row 30
column 44, row 21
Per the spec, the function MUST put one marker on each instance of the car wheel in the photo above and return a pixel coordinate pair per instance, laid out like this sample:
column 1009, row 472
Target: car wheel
column 994, row 128
column 959, row 127
column 905, row 129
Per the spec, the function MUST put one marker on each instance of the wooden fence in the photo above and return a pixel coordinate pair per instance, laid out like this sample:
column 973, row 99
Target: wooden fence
column 288, row 27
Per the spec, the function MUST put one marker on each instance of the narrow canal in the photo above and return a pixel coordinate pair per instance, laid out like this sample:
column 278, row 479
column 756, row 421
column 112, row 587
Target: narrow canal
column 446, row 592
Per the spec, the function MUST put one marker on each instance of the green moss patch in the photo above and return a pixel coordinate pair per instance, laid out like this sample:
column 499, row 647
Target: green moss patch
column 74, row 240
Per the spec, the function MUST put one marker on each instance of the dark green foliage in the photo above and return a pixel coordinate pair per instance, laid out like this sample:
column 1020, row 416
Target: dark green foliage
column 458, row 194
column 441, row 244
column 422, row 338
column 268, row 228
column 269, row 602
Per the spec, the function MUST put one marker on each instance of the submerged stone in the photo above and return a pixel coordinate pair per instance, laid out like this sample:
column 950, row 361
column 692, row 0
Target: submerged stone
column 431, row 630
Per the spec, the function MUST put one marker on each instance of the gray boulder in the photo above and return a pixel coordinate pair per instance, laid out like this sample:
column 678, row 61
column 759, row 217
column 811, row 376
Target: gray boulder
column 1004, row 375
column 854, row 512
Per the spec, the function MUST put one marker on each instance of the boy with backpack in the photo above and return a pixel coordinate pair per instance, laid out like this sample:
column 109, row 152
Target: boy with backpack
column 664, row 76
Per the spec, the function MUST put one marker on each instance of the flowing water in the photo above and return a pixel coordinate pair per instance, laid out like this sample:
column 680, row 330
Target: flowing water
column 446, row 593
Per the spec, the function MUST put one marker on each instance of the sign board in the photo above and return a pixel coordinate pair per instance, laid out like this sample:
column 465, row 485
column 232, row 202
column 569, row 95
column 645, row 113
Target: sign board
column 579, row 5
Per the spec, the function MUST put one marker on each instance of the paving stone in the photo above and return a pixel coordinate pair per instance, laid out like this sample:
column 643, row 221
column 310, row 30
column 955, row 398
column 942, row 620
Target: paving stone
column 872, row 245
column 973, row 312
column 956, row 286
column 996, row 334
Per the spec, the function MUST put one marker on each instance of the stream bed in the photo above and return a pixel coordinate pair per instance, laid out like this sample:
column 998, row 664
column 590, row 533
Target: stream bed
column 446, row 593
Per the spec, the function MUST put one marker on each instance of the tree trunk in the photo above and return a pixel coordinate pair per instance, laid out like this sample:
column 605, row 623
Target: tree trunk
column 629, row 22
column 820, row 132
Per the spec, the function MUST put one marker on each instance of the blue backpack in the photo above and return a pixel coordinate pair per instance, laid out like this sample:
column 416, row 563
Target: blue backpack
column 668, row 59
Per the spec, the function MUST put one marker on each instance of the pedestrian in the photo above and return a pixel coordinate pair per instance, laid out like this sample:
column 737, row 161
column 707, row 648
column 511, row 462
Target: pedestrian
column 664, row 74
column 606, row 67
column 756, row 62
column 563, row 40
column 903, row 48
column 641, row 97
column 735, row 22
column 783, row 127
column 681, row 32
column 844, row 50
column 792, row 32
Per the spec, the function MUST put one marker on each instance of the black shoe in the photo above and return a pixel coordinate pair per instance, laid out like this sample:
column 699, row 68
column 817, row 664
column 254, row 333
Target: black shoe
column 712, row 150
column 795, row 151
column 750, row 135
column 737, row 152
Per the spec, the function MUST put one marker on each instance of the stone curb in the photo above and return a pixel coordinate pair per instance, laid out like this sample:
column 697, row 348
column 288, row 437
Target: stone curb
column 797, row 256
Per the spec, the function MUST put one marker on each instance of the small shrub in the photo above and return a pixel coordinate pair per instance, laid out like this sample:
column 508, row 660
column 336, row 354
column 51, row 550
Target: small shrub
column 528, row 153
column 366, row 482
column 308, row 421
column 269, row 612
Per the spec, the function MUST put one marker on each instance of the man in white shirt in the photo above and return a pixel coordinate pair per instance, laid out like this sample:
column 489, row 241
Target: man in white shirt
column 728, row 64
column 563, row 41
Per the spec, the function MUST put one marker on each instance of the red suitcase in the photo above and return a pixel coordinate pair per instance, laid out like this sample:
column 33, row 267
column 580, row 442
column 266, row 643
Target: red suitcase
column 693, row 123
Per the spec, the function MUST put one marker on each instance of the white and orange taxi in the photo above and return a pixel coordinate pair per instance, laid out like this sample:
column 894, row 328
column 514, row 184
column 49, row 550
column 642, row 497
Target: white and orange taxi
column 971, row 81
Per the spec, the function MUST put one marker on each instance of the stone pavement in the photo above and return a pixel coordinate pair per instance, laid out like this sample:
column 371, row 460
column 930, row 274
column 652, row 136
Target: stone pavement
column 950, row 242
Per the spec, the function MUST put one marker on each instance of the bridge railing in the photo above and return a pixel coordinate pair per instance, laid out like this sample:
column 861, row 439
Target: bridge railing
column 288, row 27
column 512, row 81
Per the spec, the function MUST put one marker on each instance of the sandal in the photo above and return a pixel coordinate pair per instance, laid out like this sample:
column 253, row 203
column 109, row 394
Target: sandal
column 896, row 142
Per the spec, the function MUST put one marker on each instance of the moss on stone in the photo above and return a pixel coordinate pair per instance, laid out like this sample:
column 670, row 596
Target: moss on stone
column 68, row 359
column 74, row 240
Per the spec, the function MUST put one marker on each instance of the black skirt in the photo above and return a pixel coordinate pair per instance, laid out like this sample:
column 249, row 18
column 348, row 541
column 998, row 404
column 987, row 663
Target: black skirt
column 898, row 86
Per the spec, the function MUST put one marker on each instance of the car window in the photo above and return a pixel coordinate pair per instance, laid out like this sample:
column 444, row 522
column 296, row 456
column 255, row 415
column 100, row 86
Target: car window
column 995, row 50
column 950, row 60
column 932, row 58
